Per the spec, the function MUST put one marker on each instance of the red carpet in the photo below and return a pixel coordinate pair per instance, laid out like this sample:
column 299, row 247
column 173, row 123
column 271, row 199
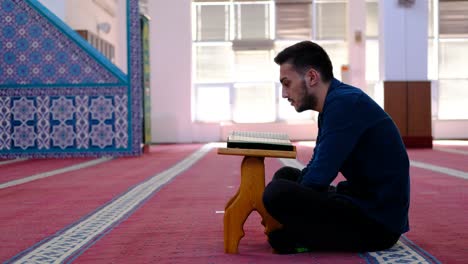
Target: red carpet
column 440, row 158
column 179, row 223
column 30, row 167
column 32, row 211
column 439, row 215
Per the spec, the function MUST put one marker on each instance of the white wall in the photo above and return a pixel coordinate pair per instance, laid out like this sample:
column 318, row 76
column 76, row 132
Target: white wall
column 171, row 64
column 171, row 70
column 357, row 47
column 86, row 14
column 450, row 129
column 55, row 6
column 171, row 83
column 403, row 41
column 121, row 59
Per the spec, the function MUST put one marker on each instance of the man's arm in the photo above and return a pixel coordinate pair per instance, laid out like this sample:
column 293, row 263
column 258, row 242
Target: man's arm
column 345, row 118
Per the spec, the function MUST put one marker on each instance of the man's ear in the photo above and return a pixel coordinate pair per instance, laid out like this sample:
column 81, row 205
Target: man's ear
column 312, row 76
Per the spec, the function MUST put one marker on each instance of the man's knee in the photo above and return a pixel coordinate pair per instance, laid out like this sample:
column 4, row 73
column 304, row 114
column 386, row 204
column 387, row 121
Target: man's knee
column 287, row 173
column 275, row 194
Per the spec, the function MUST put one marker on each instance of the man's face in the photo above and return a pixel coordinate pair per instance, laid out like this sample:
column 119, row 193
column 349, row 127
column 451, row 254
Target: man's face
column 295, row 89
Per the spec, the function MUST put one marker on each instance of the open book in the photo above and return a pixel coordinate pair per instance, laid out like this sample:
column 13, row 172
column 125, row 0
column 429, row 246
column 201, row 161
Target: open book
column 259, row 140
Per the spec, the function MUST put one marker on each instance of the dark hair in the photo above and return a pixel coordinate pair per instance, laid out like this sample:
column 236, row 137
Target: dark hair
column 305, row 55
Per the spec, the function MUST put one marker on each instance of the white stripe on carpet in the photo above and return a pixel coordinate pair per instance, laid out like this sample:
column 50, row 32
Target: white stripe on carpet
column 440, row 169
column 5, row 162
column 456, row 151
column 71, row 240
column 417, row 164
column 54, row 172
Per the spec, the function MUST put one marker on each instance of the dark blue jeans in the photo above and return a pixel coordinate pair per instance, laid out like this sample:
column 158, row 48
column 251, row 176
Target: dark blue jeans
column 319, row 220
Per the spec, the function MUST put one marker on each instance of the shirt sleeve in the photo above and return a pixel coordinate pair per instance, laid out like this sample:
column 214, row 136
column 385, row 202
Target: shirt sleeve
column 343, row 122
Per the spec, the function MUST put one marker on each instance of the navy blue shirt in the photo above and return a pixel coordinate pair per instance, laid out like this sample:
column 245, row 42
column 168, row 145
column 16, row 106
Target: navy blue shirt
column 359, row 139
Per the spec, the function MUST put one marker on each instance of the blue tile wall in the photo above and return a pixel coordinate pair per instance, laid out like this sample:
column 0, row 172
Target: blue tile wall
column 59, row 97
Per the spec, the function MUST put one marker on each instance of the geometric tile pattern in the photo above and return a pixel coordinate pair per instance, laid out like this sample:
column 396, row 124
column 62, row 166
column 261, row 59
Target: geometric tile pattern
column 70, row 242
column 63, row 122
column 58, row 95
column 34, row 51
column 135, row 77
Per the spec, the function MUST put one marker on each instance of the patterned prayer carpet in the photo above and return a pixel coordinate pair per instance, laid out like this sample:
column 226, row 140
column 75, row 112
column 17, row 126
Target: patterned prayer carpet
column 167, row 207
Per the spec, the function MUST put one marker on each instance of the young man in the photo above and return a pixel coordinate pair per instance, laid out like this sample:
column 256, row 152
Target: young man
column 369, row 210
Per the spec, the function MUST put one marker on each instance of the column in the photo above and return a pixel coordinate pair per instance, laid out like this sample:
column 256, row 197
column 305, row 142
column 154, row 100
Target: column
column 171, row 70
column 403, row 32
column 357, row 43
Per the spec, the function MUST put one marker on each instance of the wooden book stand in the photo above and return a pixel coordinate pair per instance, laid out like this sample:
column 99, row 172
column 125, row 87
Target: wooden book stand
column 249, row 196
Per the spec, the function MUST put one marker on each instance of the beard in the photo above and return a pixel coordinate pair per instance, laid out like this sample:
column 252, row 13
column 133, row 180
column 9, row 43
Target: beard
column 309, row 101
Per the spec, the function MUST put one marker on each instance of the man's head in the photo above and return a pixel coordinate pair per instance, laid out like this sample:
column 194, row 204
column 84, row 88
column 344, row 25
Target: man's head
column 305, row 69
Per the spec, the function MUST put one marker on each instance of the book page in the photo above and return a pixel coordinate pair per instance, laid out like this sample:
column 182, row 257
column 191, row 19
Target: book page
column 259, row 137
